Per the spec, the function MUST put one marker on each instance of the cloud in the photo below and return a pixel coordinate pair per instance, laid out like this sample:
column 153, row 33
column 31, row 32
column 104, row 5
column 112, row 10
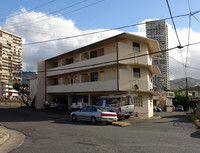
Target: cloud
column 177, row 57
column 28, row 25
column 57, row 27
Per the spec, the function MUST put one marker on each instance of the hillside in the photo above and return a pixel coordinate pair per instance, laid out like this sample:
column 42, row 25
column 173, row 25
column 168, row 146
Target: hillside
column 27, row 75
column 180, row 83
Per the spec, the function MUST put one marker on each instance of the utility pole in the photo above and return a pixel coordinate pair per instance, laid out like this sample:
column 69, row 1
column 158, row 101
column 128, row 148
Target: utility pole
column 186, row 88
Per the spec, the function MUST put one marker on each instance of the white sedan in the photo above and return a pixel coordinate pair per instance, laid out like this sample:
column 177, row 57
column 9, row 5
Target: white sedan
column 94, row 114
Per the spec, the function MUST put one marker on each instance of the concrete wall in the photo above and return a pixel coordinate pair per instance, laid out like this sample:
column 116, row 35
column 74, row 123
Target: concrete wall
column 40, row 98
column 126, row 50
column 147, row 110
column 127, row 79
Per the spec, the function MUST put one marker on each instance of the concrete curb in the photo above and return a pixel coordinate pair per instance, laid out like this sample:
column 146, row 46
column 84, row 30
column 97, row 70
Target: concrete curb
column 10, row 139
column 122, row 124
column 4, row 135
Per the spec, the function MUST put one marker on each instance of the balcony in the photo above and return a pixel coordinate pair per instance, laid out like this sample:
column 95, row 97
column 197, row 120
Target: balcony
column 136, row 85
column 107, row 85
column 79, row 66
column 135, row 58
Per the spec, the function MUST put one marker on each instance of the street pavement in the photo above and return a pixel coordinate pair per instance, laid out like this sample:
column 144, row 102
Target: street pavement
column 51, row 131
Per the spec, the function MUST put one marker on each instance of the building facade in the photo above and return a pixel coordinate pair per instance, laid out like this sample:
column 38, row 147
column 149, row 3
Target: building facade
column 10, row 62
column 117, row 65
column 158, row 30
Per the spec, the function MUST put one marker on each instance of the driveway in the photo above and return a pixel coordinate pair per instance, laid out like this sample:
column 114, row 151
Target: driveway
column 51, row 132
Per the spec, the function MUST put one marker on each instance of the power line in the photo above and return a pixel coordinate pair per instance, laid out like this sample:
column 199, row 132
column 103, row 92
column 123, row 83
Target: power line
column 173, row 23
column 90, row 33
column 61, row 14
column 188, row 34
column 29, row 10
column 45, row 15
column 114, row 61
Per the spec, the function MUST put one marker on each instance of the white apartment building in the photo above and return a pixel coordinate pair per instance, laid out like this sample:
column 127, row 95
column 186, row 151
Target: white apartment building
column 10, row 62
column 121, row 64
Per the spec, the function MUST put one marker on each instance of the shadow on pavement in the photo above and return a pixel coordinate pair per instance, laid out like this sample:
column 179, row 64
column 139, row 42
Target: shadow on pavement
column 195, row 134
column 26, row 114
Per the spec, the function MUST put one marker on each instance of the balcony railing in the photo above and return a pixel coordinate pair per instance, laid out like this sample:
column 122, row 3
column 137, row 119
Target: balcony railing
column 83, row 65
column 106, row 85
column 136, row 85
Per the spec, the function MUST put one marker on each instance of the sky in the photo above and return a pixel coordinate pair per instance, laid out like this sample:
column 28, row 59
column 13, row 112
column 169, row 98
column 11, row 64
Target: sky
column 40, row 20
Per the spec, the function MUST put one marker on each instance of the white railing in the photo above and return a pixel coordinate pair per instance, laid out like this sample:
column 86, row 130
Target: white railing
column 106, row 85
column 83, row 65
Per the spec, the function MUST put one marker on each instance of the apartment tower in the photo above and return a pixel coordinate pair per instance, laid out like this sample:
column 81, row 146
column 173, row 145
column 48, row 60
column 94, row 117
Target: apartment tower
column 158, row 30
column 10, row 62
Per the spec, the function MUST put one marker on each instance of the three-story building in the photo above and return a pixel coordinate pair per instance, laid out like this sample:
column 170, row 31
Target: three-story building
column 121, row 64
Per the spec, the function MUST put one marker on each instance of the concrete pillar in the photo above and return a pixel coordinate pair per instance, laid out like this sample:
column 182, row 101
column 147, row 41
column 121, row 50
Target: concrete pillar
column 69, row 102
column 41, row 89
column 89, row 99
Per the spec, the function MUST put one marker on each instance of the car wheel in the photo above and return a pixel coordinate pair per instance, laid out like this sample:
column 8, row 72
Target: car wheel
column 127, row 117
column 74, row 119
column 93, row 120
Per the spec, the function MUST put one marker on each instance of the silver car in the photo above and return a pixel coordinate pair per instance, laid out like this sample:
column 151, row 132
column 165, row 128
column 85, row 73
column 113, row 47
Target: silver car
column 94, row 114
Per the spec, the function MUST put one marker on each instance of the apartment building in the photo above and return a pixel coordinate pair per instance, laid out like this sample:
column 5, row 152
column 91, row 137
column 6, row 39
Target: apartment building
column 121, row 64
column 10, row 62
column 158, row 30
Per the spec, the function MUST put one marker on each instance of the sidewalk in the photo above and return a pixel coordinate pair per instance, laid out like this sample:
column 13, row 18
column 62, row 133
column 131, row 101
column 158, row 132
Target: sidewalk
column 4, row 135
column 10, row 139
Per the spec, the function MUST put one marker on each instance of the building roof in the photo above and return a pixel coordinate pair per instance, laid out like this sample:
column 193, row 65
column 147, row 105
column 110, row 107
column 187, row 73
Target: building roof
column 152, row 44
column 10, row 33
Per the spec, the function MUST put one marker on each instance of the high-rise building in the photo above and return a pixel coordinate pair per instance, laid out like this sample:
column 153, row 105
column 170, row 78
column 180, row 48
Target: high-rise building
column 10, row 62
column 158, row 30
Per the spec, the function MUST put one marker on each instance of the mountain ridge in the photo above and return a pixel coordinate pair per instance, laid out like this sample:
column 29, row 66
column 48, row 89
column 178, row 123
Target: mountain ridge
column 181, row 83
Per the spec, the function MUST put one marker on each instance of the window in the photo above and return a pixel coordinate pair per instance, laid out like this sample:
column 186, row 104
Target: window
column 100, row 103
column 136, row 72
column 96, row 53
column 138, row 101
column 136, row 47
column 55, row 64
column 90, row 109
column 85, row 77
column 94, row 76
column 69, row 60
column 84, row 109
column 93, row 54
column 55, row 81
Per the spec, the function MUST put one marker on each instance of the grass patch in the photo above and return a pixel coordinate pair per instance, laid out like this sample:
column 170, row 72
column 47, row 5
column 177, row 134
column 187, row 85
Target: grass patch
column 155, row 117
column 195, row 120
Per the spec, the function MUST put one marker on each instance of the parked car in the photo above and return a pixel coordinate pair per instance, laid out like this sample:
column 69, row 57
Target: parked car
column 179, row 108
column 121, row 104
column 61, row 104
column 47, row 103
column 79, row 104
column 94, row 114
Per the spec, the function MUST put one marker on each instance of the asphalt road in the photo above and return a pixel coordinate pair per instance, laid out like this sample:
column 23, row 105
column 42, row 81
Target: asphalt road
column 53, row 132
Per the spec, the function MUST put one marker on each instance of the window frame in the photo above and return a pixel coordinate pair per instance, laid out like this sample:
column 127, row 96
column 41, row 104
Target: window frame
column 135, row 73
column 136, row 46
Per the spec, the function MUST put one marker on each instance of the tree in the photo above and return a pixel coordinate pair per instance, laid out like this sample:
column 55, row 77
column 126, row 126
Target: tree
column 180, row 99
column 22, row 91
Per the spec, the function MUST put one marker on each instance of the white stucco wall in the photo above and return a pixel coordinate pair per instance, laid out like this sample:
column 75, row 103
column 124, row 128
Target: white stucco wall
column 32, row 88
column 40, row 98
column 147, row 110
